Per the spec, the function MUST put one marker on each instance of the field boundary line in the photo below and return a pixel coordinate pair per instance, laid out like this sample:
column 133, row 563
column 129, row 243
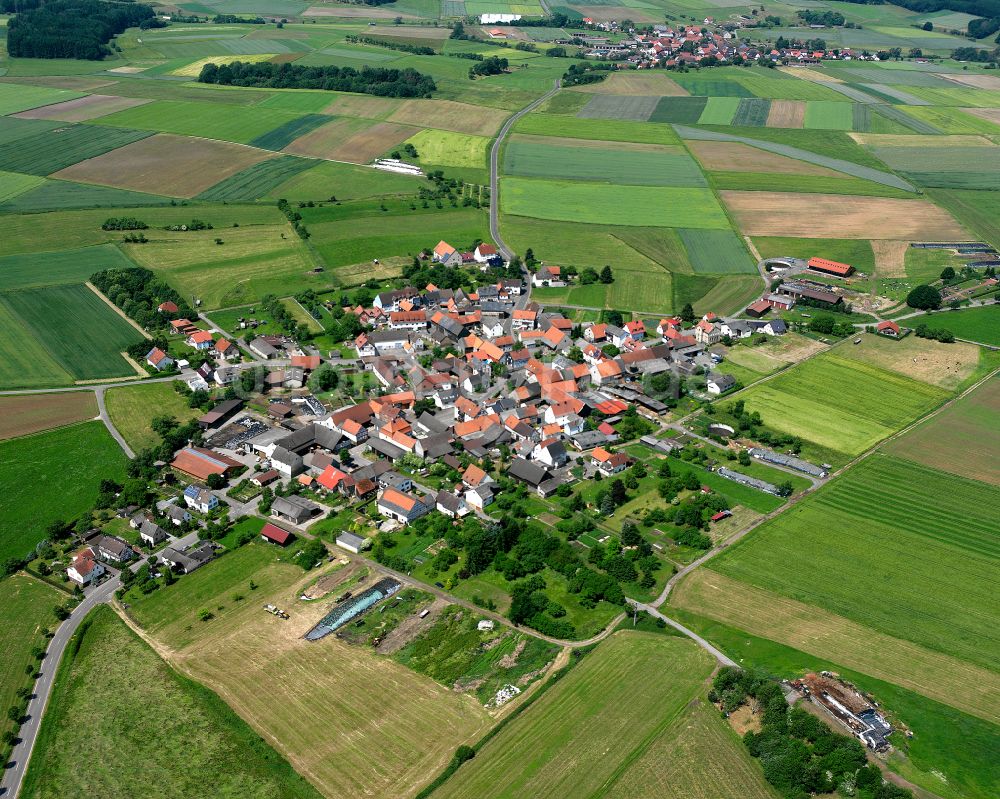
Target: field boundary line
column 117, row 310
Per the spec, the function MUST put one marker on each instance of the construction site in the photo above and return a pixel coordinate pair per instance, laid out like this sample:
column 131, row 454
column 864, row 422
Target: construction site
column 852, row 709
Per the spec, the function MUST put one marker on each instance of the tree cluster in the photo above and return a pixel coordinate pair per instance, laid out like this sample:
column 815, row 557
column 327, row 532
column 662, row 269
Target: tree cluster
column 937, row 334
column 829, row 19
column 138, row 292
column 390, row 45
column 124, row 223
column 586, row 72
column 829, row 326
column 378, row 81
column 926, row 298
column 799, row 753
column 71, row 28
column 494, row 65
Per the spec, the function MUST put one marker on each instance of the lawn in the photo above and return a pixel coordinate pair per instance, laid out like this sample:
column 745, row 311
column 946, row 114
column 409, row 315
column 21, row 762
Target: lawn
column 648, row 166
column 65, row 466
column 963, row 439
column 589, row 734
column 27, row 611
column 596, row 203
column 841, row 404
column 921, row 540
column 21, row 415
column 975, row 324
column 132, row 409
column 180, row 736
column 76, row 327
column 321, row 704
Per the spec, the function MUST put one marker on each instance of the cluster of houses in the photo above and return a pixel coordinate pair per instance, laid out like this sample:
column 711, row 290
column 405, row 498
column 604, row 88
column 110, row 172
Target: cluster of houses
column 670, row 46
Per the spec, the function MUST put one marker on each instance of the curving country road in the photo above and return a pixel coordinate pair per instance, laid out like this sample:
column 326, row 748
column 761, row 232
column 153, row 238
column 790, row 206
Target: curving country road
column 505, row 251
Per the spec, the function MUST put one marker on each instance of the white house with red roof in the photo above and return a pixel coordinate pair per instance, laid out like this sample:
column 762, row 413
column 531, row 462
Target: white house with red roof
column 200, row 340
column 484, row 252
column 158, row 359
column 85, row 568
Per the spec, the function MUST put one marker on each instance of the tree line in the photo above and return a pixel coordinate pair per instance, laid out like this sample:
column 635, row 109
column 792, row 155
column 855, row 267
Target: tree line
column 71, row 28
column 377, row 81
column 138, row 292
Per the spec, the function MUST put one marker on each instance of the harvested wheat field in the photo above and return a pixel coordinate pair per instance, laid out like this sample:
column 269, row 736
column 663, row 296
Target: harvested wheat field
column 83, row 108
column 943, row 365
column 889, row 257
column 369, row 144
column 324, row 140
column 834, row 216
column 809, row 74
column 975, row 81
column 176, row 166
column 786, row 114
column 446, row 115
column 827, row 635
column 722, row 156
column 989, row 114
column 359, row 105
column 641, row 84
column 23, row 415
column 916, row 140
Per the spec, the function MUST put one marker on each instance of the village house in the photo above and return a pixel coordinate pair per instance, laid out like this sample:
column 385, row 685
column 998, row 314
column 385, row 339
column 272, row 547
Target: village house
column 548, row 276
column 85, row 568
column 158, row 359
column 151, row 533
column 716, row 383
column 200, row 498
column 200, row 340
column 404, row 508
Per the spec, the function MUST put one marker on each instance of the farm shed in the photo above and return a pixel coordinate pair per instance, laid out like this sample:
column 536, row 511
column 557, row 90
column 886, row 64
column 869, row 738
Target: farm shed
column 828, row 267
column 274, row 534
column 351, row 542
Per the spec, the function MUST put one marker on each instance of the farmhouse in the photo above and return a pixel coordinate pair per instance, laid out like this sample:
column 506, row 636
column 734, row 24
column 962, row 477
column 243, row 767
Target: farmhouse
column 717, row 383
column 887, row 328
column 830, row 267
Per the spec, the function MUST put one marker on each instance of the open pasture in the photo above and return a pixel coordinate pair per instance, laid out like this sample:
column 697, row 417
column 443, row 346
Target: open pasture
column 963, row 439
column 595, row 129
column 839, row 216
column 203, row 119
column 132, row 409
column 630, row 82
column 841, row 404
column 178, row 166
column 66, row 466
column 619, row 106
column 321, row 704
column 717, row 252
column 696, row 85
column 450, row 149
column 78, row 329
column 721, row 156
column 974, row 324
column 595, row 203
column 50, row 151
column 924, row 540
column 254, row 260
column 82, row 109
column 562, row 746
column 719, row 111
column 639, row 165
column 979, row 211
column 946, row 366
column 22, row 415
column 829, row 115
column 448, row 115
column 344, row 181
column 838, row 639
column 258, row 180
column 174, row 720
column 24, row 362
column 21, row 97
column 954, row 120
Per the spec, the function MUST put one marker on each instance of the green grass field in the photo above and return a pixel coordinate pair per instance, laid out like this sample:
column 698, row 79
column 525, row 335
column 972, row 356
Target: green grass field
column 41, row 269
column 886, row 529
column 44, row 153
column 839, row 404
column 80, row 331
column 181, row 736
column 56, row 195
column 132, row 408
column 829, row 115
column 599, row 204
column 611, row 165
column 257, row 181
column 979, row 211
column 27, row 611
column 856, row 252
column 444, row 148
column 717, row 252
column 66, row 466
column 679, row 109
column 599, row 129
column 20, row 97
column 285, row 134
column 975, row 324
column 13, row 184
column 562, row 746
column 345, row 182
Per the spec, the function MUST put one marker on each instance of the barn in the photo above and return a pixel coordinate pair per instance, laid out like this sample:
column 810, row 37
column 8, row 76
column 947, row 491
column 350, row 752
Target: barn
column 274, row 534
column 828, row 267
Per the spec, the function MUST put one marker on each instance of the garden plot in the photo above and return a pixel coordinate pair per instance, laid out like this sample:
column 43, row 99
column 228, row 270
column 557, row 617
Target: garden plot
column 839, row 216
column 83, row 108
column 178, row 166
column 619, row 106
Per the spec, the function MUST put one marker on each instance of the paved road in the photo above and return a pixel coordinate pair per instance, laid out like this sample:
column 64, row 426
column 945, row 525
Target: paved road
column 505, row 251
column 103, row 411
column 20, row 757
column 720, row 656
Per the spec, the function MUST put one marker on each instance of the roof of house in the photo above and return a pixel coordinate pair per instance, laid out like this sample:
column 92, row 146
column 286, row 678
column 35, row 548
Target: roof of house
column 473, row 475
column 887, row 325
column 274, row 533
column 486, row 249
column 167, row 306
column 309, row 362
column 443, row 248
column 200, row 336
column 721, row 380
column 759, row 307
column 200, row 463
column 156, row 355
column 398, row 499
column 449, row 501
column 527, row 471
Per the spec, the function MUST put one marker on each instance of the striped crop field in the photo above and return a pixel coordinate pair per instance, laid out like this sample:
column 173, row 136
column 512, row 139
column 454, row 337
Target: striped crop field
column 896, row 546
column 841, row 404
column 44, row 153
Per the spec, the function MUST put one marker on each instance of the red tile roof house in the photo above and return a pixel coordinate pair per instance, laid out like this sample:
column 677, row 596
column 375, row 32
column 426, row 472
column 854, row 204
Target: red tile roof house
column 274, row 534
column 167, row 307
column 85, row 568
column 484, row 252
column 404, row 508
column 887, row 328
column 199, row 339
column 445, row 254
column 158, row 359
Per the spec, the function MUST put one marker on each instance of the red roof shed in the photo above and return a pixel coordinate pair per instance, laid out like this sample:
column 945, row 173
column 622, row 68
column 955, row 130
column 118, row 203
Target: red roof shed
column 275, row 534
